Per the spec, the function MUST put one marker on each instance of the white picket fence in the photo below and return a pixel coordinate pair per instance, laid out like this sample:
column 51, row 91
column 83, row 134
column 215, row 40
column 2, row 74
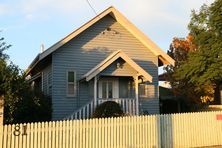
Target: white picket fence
column 175, row 130
column 191, row 129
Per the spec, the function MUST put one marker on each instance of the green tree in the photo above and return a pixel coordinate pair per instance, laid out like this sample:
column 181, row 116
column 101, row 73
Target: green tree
column 3, row 64
column 203, row 68
column 3, row 47
column 21, row 102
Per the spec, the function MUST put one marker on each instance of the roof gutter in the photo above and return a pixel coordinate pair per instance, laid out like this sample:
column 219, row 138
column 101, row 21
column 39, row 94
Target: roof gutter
column 33, row 64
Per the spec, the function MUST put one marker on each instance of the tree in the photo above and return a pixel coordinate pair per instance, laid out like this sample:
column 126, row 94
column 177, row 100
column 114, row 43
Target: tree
column 179, row 50
column 21, row 102
column 3, row 47
column 3, row 64
column 203, row 68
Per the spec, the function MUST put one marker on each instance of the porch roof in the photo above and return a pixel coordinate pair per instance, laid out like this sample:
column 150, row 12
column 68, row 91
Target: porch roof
column 110, row 59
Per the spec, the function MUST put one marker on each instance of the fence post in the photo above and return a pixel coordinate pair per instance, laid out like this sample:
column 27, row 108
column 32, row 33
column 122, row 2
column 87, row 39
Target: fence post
column 159, row 129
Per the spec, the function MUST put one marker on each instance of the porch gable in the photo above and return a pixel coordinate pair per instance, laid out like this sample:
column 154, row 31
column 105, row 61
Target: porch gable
column 119, row 68
column 112, row 58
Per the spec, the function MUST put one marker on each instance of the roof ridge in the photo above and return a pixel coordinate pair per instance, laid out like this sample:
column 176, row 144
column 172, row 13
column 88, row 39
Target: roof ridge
column 123, row 21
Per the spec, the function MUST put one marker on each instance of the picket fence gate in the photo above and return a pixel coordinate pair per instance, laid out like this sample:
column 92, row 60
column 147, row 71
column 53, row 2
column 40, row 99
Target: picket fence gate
column 173, row 130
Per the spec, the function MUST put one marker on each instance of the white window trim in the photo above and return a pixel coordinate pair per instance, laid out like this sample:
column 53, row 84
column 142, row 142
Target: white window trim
column 67, row 83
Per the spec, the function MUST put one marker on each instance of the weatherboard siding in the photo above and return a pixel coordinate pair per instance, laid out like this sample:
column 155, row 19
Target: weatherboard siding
column 150, row 104
column 86, row 51
column 62, row 104
column 84, row 93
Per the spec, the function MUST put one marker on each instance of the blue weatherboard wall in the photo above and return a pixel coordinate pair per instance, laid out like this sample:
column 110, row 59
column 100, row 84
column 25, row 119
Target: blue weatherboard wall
column 86, row 51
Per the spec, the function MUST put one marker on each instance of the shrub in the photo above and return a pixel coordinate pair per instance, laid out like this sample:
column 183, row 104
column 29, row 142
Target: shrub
column 32, row 106
column 108, row 109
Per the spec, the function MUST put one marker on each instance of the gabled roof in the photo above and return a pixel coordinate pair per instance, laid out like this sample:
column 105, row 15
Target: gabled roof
column 110, row 59
column 163, row 57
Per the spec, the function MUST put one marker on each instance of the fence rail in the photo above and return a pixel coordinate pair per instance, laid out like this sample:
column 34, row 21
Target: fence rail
column 175, row 130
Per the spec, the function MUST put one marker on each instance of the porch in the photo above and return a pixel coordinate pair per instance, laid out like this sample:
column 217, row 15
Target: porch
column 117, row 78
column 121, row 89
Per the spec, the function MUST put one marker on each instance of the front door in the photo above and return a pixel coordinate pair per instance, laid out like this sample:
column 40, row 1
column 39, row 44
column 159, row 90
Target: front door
column 108, row 88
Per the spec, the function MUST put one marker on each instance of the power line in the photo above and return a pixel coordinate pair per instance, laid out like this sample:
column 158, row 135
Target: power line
column 91, row 7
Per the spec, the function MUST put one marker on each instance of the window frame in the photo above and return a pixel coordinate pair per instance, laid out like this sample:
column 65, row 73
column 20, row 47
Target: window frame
column 67, row 83
column 146, row 90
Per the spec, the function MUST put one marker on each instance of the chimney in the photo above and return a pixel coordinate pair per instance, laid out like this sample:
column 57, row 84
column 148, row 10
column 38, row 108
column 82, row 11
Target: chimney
column 42, row 48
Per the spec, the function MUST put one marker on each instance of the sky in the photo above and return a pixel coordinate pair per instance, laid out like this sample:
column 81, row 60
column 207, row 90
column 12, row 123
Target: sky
column 26, row 24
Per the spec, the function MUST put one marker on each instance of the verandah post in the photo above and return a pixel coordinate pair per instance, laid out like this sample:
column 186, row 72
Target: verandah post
column 95, row 92
column 136, row 94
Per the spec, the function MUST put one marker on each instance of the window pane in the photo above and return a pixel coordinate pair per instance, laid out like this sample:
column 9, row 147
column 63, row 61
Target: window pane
column 130, row 90
column 104, row 90
column 70, row 76
column 142, row 90
column 123, row 88
column 71, row 89
column 110, row 90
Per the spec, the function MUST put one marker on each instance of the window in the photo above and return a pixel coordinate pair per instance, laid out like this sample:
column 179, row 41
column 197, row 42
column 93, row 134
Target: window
column 107, row 89
column 143, row 90
column 126, row 88
column 71, row 83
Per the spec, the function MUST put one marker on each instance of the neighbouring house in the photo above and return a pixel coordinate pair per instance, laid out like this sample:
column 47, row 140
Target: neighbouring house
column 107, row 58
column 169, row 103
